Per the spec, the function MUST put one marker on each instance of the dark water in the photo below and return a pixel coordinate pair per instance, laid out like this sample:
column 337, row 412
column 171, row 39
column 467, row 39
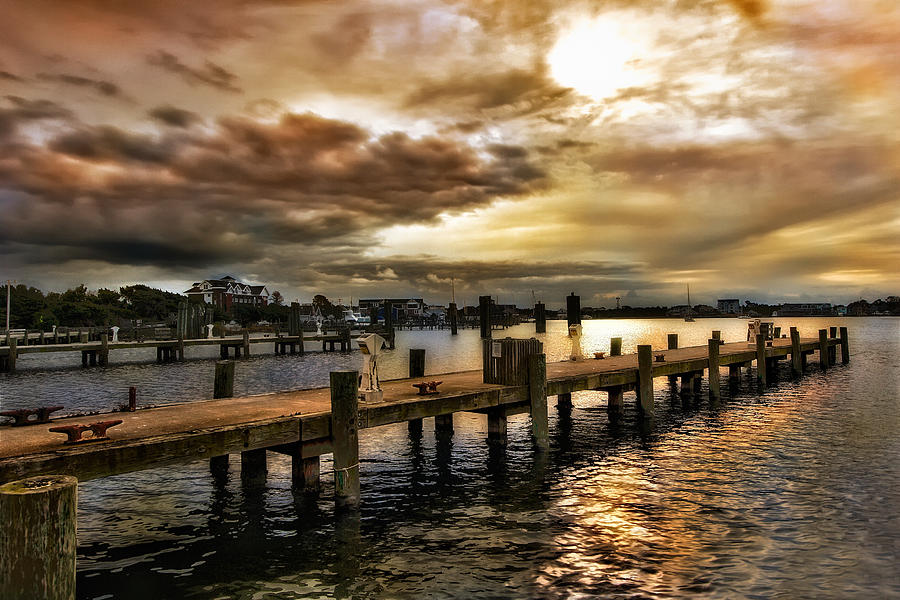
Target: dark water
column 794, row 493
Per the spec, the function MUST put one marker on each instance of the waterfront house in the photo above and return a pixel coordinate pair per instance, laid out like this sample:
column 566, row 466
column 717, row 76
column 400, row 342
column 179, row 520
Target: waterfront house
column 227, row 292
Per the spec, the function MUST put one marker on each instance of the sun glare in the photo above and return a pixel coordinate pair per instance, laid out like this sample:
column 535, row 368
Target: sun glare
column 600, row 56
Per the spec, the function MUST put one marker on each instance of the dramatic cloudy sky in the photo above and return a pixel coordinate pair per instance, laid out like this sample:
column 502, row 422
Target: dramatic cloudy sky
column 615, row 148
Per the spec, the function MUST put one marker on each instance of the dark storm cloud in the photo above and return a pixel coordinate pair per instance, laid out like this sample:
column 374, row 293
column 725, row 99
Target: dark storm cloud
column 175, row 117
column 105, row 88
column 22, row 110
column 238, row 190
column 10, row 76
column 209, row 74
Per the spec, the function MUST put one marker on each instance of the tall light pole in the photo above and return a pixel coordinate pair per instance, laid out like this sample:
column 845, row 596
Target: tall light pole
column 8, row 284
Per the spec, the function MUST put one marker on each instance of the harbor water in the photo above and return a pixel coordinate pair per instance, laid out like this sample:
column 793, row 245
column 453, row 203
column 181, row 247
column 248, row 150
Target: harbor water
column 792, row 492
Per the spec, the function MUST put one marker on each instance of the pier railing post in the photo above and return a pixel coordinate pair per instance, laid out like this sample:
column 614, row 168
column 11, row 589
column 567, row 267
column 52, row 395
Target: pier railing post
column 537, row 394
column 37, row 542
column 416, row 369
column 845, row 346
column 12, row 354
column 573, row 309
column 345, row 437
column 223, row 387
column 615, row 346
column 645, row 380
column 714, row 389
column 796, row 354
column 761, row 366
column 823, row 348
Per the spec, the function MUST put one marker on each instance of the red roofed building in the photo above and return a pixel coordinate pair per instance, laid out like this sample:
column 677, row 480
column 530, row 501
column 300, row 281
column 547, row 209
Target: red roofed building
column 227, row 292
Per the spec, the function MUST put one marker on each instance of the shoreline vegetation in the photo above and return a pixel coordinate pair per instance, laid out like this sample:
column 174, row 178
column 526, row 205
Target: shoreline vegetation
column 31, row 308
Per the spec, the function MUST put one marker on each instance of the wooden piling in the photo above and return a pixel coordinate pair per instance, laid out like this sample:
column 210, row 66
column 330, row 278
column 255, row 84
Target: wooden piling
column 796, row 354
column 453, row 319
column 714, row 390
column 104, row 350
column 761, row 375
column 179, row 349
column 734, row 372
column 615, row 402
column 254, row 469
column 573, row 309
column 645, row 380
column 615, row 346
column 564, row 400
column 484, row 316
column 672, row 340
column 537, row 395
column 37, row 539
column 132, row 399
column 496, row 421
column 246, row 343
column 223, row 387
column 345, row 437
column 443, row 425
column 11, row 355
column 845, row 346
column 540, row 318
column 823, row 348
column 305, row 474
column 717, row 334
column 416, row 369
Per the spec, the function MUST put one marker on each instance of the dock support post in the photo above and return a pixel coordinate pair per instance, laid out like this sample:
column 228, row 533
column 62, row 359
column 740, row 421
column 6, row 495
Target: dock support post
column 615, row 346
column 416, row 369
column 305, row 474
column 564, row 400
column 717, row 334
column 537, row 393
column 496, row 421
column 223, row 387
column 104, row 350
column 253, row 467
column 540, row 318
column 179, row 349
column 761, row 366
column 672, row 340
column 832, row 350
column 823, row 348
column 246, row 343
column 453, row 319
column 687, row 384
column 845, row 346
column 645, row 380
column 714, row 389
column 615, row 402
column 484, row 316
column 37, row 545
column 796, row 354
column 443, row 425
column 345, row 438
column 573, row 309
column 734, row 372
column 11, row 357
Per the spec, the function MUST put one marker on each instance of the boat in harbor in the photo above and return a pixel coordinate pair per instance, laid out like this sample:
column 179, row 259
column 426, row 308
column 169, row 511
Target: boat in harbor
column 689, row 316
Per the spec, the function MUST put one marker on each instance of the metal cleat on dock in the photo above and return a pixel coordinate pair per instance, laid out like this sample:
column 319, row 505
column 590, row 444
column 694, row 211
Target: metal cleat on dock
column 660, row 358
column 599, row 355
column 23, row 416
column 97, row 429
column 428, row 388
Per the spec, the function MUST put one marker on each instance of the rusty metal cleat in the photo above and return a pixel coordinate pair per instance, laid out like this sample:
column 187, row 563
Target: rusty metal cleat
column 97, row 429
column 599, row 355
column 428, row 388
column 23, row 416
column 660, row 358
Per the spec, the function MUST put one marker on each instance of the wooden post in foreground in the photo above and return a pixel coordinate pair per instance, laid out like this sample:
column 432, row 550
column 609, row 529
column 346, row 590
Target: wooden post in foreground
column 714, row 390
column 761, row 366
column 573, row 309
column 37, row 539
column 615, row 346
column 537, row 394
column 796, row 354
column 832, row 350
column 845, row 346
column 823, row 348
column 104, row 350
column 645, row 380
column 345, row 437
column 416, row 369
column 246, row 343
column 223, row 387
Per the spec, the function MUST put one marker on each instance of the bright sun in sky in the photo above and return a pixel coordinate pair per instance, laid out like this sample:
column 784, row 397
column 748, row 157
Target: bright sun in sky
column 600, row 56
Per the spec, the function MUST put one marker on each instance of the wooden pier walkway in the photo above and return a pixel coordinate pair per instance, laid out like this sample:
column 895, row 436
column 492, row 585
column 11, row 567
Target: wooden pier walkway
column 301, row 423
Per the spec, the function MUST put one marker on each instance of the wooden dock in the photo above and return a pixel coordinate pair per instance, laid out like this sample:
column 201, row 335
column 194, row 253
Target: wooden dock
column 302, row 423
